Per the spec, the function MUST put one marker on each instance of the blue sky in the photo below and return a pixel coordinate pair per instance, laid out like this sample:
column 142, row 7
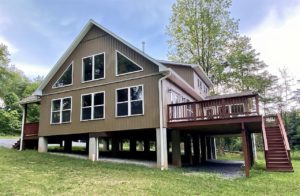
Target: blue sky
column 38, row 32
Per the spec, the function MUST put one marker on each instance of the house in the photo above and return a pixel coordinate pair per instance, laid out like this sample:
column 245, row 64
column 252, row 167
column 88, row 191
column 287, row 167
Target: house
column 104, row 90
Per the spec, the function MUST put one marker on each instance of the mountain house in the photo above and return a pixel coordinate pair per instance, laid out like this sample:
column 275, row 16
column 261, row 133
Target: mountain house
column 104, row 91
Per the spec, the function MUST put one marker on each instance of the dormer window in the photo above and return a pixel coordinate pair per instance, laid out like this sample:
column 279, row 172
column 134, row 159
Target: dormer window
column 66, row 79
column 93, row 67
column 125, row 65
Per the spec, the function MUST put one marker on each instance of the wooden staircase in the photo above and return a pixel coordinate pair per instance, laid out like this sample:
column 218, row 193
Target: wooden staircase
column 277, row 150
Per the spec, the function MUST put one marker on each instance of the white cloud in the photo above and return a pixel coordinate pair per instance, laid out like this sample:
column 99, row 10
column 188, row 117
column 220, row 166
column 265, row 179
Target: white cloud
column 11, row 48
column 32, row 70
column 277, row 39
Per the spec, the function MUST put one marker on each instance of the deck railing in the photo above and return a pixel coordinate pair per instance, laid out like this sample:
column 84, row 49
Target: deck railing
column 214, row 109
column 31, row 129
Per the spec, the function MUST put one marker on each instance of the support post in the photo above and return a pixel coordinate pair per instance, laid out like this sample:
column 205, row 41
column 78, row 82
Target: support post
column 196, row 149
column 132, row 144
column 214, row 148
column 68, row 145
column 209, row 147
column 161, row 148
column 43, row 144
column 188, row 149
column 115, row 146
column 176, row 152
column 146, row 145
column 203, row 149
column 246, row 152
column 23, row 126
column 93, row 148
column 254, row 146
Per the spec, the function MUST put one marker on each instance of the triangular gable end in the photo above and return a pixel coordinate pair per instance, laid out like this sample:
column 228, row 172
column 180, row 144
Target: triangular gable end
column 66, row 79
column 75, row 43
column 125, row 65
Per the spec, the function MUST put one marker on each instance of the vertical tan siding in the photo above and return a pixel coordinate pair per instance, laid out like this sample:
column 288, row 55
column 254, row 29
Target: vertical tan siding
column 96, row 41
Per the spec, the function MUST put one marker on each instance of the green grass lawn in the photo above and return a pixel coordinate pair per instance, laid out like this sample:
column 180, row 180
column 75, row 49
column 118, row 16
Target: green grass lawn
column 32, row 173
column 9, row 136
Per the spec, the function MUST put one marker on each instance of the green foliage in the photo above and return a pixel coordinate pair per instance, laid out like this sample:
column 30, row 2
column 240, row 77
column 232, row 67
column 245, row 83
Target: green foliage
column 9, row 122
column 204, row 33
column 14, row 86
column 200, row 31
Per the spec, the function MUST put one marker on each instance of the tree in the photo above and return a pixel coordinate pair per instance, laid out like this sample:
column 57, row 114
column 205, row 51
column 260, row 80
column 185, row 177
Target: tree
column 14, row 86
column 200, row 31
column 246, row 71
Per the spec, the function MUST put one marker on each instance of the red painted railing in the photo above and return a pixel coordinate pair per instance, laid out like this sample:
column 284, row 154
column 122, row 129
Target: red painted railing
column 214, row 109
column 31, row 129
column 283, row 132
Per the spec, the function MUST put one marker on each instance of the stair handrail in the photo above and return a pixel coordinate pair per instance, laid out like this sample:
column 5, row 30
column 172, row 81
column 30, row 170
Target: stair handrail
column 264, row 134
column 283, row 132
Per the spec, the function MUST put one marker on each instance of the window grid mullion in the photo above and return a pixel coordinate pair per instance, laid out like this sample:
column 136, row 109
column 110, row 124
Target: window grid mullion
column 92, row 105
column 61, row 107
column 129, row 102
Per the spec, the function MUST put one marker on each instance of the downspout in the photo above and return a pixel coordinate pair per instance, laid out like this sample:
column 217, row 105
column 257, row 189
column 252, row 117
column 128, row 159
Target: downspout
column 161, row 97
column 22, row 129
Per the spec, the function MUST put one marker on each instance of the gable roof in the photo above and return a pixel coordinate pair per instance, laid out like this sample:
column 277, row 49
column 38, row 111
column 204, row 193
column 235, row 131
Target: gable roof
column 75, row 43
column 197, row 68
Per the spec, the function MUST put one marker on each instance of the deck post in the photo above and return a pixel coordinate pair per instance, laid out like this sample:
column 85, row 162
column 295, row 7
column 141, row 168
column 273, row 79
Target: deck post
column 93, row 148
column 196, row 149
column 203, row 149
column 246, row 151
column 43, row 144
column 188, row 149
column 214, row 148
column 254, row 146
column 176, row 152
column 209, row 147
column 161, row 148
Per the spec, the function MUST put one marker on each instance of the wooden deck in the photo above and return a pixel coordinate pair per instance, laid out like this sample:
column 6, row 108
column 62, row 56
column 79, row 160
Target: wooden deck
column 217, row 115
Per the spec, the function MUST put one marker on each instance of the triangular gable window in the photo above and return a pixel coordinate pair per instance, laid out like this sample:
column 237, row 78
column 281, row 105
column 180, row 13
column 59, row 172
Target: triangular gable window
column 65, row 79
column 126, row 65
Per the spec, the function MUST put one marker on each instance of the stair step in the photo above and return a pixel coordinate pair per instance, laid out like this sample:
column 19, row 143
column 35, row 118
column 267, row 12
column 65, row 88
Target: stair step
column 283, row 169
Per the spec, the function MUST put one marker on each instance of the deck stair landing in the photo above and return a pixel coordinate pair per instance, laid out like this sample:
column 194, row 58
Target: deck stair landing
column 277, row 148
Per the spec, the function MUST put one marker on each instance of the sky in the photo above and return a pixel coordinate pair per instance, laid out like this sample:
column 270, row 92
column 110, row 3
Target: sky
column 38, row 32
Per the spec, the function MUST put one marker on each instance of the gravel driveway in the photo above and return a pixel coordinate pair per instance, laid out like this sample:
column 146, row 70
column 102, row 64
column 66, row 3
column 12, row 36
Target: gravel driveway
column 7, row 143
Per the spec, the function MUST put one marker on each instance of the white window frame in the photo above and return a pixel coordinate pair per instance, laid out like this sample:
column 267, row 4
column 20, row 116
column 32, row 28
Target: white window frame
column 72, row 63
column 93, row 68
column 92, row 106
column 116, row 64
column 61, row 110
column 129, row 101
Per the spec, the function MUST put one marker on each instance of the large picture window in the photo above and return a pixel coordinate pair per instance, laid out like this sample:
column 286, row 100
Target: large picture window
column 93, row 67
column 61, row 110
column 130, row 101
column 92, row 106
column 66, row 78
column 126, row 65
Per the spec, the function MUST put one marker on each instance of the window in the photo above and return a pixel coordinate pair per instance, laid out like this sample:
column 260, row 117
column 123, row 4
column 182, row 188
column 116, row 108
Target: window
column 130, row 101
column 66, row 78
column 199, row 84
column 61, row 110
column 92, row 106
column 93, row 67
column 126, row 65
